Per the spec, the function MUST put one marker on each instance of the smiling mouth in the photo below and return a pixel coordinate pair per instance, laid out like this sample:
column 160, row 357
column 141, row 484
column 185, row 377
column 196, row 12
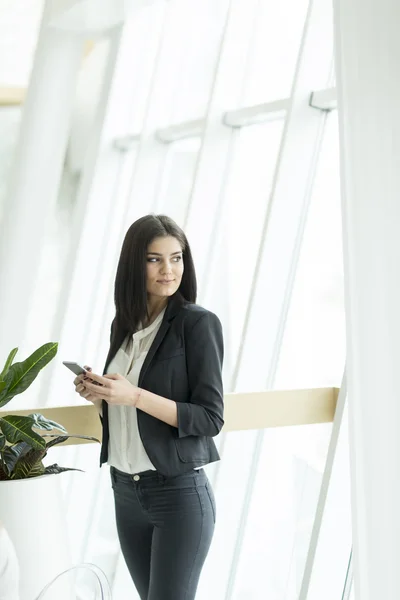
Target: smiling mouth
column 165, row 281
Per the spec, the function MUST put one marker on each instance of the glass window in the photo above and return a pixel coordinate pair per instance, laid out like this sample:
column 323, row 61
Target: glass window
column 200, row 24
column 177, row 178
column 176, row 87
column 274, row 52
column 331, row 562
column 233, row 255
column 313, row 349
column 278, row 519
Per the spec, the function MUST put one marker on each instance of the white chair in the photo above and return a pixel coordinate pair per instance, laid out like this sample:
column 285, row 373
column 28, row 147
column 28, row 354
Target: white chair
column 82, row 582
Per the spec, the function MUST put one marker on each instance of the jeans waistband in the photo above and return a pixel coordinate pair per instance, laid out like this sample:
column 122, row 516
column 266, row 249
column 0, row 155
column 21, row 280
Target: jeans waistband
column 150, row 473
column 152, row 476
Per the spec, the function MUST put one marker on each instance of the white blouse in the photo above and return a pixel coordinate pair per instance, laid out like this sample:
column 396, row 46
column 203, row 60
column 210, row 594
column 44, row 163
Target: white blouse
column 125, row 450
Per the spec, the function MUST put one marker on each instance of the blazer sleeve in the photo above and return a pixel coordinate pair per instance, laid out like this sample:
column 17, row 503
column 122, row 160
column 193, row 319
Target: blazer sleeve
column 203, row 414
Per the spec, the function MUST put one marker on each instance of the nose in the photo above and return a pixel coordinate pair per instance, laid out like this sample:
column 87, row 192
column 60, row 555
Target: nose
column 166, row 268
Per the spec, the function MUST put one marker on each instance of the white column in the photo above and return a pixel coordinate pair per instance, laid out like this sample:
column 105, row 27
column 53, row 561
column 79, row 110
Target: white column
column 367, row 59
column 36, row 173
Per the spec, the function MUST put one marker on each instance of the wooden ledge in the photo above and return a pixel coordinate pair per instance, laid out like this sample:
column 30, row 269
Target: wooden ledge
column 256, row 410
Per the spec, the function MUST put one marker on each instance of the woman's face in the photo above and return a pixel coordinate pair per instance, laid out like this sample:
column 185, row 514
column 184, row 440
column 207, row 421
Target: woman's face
column 164, row 266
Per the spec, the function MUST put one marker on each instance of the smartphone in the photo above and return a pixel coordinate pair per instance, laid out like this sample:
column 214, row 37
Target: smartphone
column 79, row 370
column 74, row 367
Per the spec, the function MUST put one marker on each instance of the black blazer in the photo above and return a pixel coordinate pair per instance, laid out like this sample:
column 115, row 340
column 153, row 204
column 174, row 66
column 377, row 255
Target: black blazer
column 183, row 364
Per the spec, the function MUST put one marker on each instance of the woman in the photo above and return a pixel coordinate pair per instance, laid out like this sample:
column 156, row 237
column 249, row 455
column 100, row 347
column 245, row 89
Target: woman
column 161, row 403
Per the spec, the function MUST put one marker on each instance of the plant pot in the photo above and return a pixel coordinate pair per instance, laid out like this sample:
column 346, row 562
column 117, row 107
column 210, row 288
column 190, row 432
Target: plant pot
column 33, row 514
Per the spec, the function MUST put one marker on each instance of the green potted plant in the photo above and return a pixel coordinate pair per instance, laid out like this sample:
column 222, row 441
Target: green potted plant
column 22, row 448
column 30, row 494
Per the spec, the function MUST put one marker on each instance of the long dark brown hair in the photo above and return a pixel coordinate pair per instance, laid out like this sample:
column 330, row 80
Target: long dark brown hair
column 130, row 292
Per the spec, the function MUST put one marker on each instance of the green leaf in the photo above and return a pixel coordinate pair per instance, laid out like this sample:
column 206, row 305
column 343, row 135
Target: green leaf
column 19, row 429
column 2, row 385
column 30, row 465
column 12, row 454
column 59, row 439
column 2, row 441
column 55, row 469
column 40, row 422
column 21, row 375
column 3, row 475
column 8, row 364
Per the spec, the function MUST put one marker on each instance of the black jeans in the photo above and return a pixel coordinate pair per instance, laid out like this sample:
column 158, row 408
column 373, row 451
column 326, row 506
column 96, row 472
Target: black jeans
column 165, row 527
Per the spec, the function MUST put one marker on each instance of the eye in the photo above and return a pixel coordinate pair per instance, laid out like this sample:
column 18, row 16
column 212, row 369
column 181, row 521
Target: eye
column 177, row 258
column 152, row 259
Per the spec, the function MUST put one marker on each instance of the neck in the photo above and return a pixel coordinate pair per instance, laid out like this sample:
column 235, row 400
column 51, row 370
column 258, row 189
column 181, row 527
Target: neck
column 155, row 305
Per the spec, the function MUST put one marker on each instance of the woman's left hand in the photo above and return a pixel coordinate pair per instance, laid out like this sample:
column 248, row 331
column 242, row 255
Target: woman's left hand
column 114, row 389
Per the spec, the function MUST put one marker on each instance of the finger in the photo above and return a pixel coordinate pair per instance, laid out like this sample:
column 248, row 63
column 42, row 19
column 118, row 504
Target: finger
column 86, row 395
column 94, row 389
column 93, row 399
column 87, row 368
column 80, row 388
column 99, row 379
column 90, row 398
column 78, row 379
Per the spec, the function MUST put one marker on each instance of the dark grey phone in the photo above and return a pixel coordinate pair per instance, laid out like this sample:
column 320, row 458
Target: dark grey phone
column 78, row 370
column 74, row 367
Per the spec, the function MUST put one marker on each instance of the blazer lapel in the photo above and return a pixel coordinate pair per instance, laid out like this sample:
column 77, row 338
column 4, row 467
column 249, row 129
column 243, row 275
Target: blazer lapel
column 153, row 349
column 173, row 307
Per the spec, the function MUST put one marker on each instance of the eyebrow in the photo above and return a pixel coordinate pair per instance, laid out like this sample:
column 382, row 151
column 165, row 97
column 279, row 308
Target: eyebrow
column 158, row 254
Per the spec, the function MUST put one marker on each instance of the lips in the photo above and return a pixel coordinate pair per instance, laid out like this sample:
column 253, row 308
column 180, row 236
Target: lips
column 165, row 281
